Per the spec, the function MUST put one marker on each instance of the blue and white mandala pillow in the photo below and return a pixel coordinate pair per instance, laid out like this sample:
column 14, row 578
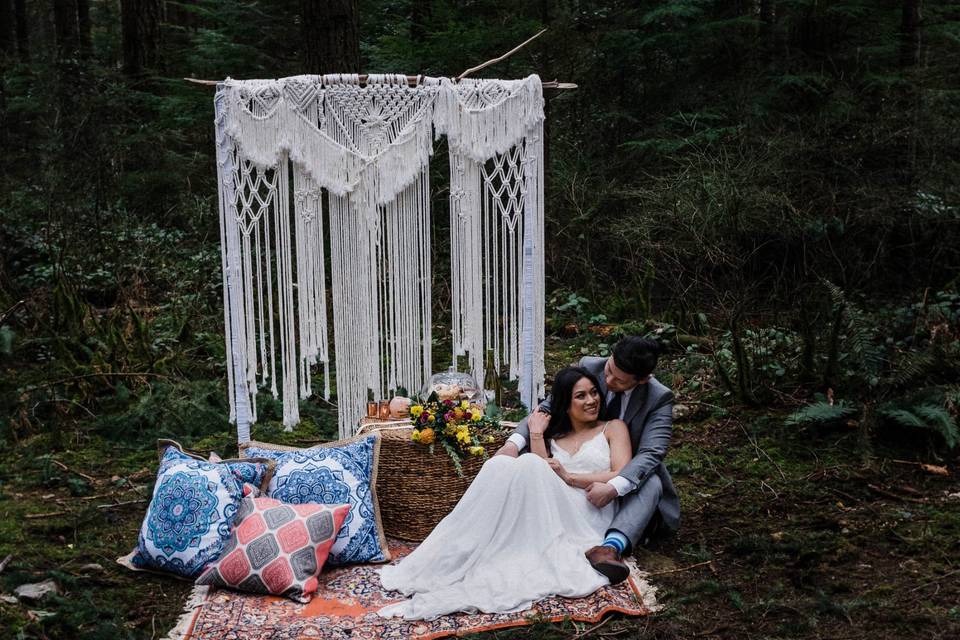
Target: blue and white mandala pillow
column 246, row 471
column 191, row 512
column 342, row 472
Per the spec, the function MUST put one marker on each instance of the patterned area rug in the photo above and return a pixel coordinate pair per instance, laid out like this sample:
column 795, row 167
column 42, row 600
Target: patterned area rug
column 347, row 604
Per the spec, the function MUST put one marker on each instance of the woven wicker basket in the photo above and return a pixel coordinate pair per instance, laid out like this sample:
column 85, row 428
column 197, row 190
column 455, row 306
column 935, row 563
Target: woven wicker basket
column 415, row 488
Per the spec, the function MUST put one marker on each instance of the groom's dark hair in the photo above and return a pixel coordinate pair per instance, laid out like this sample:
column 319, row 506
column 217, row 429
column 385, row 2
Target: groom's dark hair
column 636, row 356
column 561, row 395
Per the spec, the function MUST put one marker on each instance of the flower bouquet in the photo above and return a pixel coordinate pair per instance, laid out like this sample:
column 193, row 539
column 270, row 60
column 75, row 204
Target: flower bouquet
column 459, row 426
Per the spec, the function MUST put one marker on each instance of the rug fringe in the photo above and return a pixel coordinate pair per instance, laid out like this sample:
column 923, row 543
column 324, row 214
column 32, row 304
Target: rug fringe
column 184, row 624
column 647, row 591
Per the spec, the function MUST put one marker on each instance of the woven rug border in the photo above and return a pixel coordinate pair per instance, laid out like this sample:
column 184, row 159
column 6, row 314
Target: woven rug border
column 644, row 592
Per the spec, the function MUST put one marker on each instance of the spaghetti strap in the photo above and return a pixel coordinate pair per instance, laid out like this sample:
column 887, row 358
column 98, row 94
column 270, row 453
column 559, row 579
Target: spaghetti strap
column 605, row 426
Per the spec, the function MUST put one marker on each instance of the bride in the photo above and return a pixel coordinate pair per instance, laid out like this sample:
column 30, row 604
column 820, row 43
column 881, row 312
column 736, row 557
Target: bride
column 520, row 532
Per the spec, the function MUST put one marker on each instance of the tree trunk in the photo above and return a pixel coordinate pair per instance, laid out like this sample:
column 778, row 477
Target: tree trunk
column 140, row 23
column 7, row 36
column 66, row 28
column 910, row 33
column 331, row 36
column 7, row 47
column 420, row 11
column 768, row 12
column 768, row 20
column 83, row 25
column 23, row 36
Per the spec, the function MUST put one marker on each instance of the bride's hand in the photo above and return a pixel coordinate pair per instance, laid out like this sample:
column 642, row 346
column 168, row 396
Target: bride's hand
column 538, row 421
column 559, row 470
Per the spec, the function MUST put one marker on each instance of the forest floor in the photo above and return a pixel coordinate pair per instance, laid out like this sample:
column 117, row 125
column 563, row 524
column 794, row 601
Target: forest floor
column 787, row 533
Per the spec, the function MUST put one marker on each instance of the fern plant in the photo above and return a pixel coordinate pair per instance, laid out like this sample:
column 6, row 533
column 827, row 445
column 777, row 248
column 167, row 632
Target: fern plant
column 821, row 412
column 926, row 416
column 861, row 336
column 891, row 375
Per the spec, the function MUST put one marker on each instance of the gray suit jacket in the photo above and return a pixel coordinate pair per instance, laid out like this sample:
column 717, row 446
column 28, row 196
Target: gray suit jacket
column 649, row 417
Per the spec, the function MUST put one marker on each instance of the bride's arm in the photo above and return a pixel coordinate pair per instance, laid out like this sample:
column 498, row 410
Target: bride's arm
column 620, row 454
column 537, row 423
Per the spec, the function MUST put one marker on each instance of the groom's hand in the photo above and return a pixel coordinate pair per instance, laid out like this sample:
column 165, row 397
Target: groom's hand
column 600, row 494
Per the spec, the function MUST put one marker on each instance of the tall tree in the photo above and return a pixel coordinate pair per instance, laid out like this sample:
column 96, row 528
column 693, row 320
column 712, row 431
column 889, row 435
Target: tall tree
column 7, row 36
column 331, row 36
column 910, row 33
column 66, row 28
column 23, row 36
column 84, row 27
column 140, row 24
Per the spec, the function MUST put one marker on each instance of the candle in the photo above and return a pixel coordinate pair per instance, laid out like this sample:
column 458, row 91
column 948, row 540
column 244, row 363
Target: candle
column 384, row 409
column 372, row 409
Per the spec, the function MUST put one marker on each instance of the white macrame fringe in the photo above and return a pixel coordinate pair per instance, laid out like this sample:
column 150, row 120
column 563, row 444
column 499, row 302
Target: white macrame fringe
column 306, row 119
column 497, row 268
column 183, row 628
column 286, row 148
column 485, row 118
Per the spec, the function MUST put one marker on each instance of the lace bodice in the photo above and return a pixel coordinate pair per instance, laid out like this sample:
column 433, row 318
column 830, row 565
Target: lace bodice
column 592, row 457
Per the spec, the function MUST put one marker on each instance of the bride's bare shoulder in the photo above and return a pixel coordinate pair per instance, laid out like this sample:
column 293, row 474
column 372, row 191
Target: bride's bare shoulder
column 615, row 427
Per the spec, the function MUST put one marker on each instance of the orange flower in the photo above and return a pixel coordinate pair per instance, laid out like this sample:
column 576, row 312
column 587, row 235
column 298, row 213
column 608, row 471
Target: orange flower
column 427, row 436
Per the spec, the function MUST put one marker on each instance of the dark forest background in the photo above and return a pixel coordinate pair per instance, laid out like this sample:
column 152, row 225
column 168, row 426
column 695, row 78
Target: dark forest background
column 745, row 178
column 771, row 188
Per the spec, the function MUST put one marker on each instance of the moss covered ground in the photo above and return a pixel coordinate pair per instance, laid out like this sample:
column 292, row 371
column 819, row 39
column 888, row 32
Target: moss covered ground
column 787, row 532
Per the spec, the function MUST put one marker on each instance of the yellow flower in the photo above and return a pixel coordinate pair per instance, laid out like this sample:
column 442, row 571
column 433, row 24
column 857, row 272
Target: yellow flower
column 415, row 435
column 476, row 415
column 427, row 436
column 462, row 427
column 431, row 417
column 416, row 410
column 464, row 404
column 475, row 451
column 490, row 439
column 450, row 429
column 463, row 436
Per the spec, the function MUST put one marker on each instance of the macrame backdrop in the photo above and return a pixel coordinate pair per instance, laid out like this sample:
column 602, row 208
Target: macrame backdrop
column 294, row 151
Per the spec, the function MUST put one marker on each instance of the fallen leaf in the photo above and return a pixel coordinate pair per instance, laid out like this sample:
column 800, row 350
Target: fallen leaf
column 36, row 616
column 36, row 590
column 935, row 470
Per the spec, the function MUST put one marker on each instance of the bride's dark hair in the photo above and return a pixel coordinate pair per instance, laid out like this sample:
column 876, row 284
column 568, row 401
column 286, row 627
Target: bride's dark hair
column 562, row 395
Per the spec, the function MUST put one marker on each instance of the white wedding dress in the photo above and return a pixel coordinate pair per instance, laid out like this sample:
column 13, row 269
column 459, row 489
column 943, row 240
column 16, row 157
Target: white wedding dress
column 518, row 535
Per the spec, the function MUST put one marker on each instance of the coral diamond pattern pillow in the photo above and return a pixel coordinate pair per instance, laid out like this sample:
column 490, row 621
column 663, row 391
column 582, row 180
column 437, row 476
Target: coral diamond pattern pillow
column 277, row 548
column 339, row 473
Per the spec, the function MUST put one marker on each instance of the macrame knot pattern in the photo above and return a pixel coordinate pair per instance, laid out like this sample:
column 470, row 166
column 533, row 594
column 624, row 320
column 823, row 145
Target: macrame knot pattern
column 321, row 170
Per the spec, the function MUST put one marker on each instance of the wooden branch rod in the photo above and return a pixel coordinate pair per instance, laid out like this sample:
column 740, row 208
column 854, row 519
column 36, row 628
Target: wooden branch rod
column 411, row 81
column 499, row 58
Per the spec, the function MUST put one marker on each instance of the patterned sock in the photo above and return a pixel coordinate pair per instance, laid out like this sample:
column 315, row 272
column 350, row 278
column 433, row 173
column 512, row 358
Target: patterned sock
column 616, row 540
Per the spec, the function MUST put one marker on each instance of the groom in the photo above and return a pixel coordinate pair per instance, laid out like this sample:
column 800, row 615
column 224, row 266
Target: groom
column 644, row 488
